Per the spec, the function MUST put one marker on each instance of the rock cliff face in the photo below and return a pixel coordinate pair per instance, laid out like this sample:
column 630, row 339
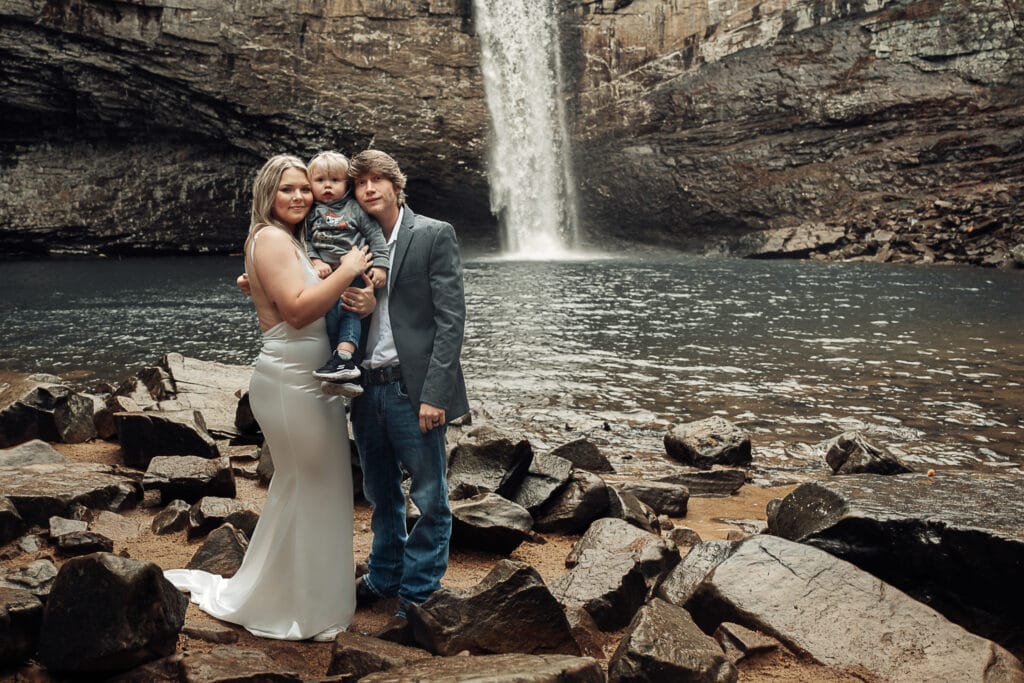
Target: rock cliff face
column 137, row 127
column 899, row 124
column 842, row 128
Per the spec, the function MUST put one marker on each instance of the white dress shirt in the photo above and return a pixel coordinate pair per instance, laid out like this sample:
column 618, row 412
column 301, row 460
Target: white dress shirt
column 380, row 343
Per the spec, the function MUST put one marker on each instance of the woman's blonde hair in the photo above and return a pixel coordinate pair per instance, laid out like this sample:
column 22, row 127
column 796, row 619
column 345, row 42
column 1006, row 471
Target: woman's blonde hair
column 264, row 191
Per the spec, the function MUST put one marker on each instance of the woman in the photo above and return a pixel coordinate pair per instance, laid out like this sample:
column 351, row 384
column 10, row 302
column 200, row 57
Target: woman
column 296, row 581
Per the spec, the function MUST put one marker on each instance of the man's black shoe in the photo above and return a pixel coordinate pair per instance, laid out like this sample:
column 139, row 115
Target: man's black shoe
column 365, row 597
column 397, row 630
column 339, row 368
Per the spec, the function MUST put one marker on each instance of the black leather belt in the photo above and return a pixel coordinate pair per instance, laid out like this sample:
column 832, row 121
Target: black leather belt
column 384, row 375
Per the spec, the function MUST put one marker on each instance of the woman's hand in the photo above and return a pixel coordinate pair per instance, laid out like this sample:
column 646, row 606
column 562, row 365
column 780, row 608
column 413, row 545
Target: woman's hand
column 359, row 300
column 243, row 284
column 355, row 262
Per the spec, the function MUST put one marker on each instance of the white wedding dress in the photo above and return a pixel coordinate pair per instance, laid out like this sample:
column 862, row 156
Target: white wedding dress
column 297, row 580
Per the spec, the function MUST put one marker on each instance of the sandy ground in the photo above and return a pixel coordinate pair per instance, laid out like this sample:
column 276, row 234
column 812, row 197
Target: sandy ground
column 466, row 568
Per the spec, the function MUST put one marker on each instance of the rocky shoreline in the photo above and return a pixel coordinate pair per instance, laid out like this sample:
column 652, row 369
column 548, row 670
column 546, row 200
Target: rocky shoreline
column 977, row 228
column 561, row 568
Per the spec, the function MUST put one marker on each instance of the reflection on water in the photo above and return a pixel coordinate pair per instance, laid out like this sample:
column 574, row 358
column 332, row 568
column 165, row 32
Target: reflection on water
column 928, row 360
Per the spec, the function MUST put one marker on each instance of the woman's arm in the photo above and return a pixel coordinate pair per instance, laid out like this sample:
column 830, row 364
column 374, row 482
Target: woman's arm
column 282, row 278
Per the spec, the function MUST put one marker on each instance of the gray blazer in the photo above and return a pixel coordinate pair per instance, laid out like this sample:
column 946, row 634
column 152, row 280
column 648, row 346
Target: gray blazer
column 427, row 308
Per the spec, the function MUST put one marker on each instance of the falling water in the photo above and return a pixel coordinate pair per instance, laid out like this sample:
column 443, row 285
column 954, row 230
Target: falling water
column 532, row 189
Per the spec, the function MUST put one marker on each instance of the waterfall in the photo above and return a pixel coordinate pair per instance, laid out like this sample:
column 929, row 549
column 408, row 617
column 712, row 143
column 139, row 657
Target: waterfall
column 529, row 162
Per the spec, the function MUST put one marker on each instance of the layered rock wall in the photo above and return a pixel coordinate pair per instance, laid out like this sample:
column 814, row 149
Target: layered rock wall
column 859, row 128
column 707, row 121
column 139, row 126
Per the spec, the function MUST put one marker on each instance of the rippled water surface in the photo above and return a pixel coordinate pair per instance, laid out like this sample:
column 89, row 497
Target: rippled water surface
column 928, row 360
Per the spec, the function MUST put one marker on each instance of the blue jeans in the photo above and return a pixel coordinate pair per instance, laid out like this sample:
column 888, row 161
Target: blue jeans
column 387, row 433
column 342, row 326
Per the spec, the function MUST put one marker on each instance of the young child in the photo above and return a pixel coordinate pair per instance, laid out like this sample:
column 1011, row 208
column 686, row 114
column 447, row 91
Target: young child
column 334, row 225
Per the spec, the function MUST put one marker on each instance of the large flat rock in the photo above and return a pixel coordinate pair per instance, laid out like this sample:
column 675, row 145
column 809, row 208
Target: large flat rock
column 42, row 491
column 842, row 616
column 950, row 540
column 213, row 389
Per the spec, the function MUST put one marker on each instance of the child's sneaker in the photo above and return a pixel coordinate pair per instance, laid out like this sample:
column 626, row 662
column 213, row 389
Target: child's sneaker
column 339, row 368
column 346, row 389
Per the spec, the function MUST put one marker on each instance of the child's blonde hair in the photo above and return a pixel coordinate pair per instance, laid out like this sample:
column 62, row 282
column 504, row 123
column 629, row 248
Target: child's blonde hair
column 330, row 161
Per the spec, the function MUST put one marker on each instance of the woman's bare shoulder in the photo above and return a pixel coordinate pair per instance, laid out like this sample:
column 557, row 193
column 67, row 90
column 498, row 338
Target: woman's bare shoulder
column 271, row 239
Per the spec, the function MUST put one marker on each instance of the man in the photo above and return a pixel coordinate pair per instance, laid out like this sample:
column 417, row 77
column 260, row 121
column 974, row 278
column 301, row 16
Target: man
column 413, row 386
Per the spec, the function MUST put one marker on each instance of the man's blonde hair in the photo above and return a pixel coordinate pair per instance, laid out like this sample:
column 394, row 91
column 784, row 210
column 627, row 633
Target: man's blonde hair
column 374, row 161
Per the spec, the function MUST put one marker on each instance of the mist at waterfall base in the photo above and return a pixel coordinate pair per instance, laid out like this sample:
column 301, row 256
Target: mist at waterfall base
column 928, row 361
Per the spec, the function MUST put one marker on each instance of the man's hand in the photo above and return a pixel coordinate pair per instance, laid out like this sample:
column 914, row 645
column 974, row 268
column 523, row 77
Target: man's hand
column 379, row 276
column 322, row 269
column 431, row 417
column 360, row 301
column 243, row 284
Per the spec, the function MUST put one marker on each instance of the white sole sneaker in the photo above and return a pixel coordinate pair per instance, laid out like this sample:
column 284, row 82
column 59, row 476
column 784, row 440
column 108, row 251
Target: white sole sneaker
column 341, row 375
column 327, row 635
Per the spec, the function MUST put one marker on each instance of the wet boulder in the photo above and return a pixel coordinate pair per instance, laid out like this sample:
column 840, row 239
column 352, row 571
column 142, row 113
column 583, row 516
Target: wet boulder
column 11, row 524
column 245, row 421
column 708, row 442
column 740, row 642
column 625, row 506
column 174, row 517
column 614, row 567
column 584, row 455
column 949, row 540
column 211, row 388
column 39, row 407
column 851, row 453
column 489, row 522
column 211, row 632
column 571, row 510
column 83, row 543
column 146, row 389
column 211, row 511
column 21, row 614
column 664, row 498
column 356, row 655
column 39, row 492
column 511, row 599
column 115, row 526
column 34, row 452
column 682, row 581
column 718, row 481
column 547, row 475
column 219, row 665
column 497, row 466
column 109, row 613
column 265, row 466
column 222, row 552
column 609, row 536
column 189, row 477
column 662, row 643
column 683, row 536
column 146, row 434
column 503, row 668
column 103, row 418
column 841, row 616
column 36, row 577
